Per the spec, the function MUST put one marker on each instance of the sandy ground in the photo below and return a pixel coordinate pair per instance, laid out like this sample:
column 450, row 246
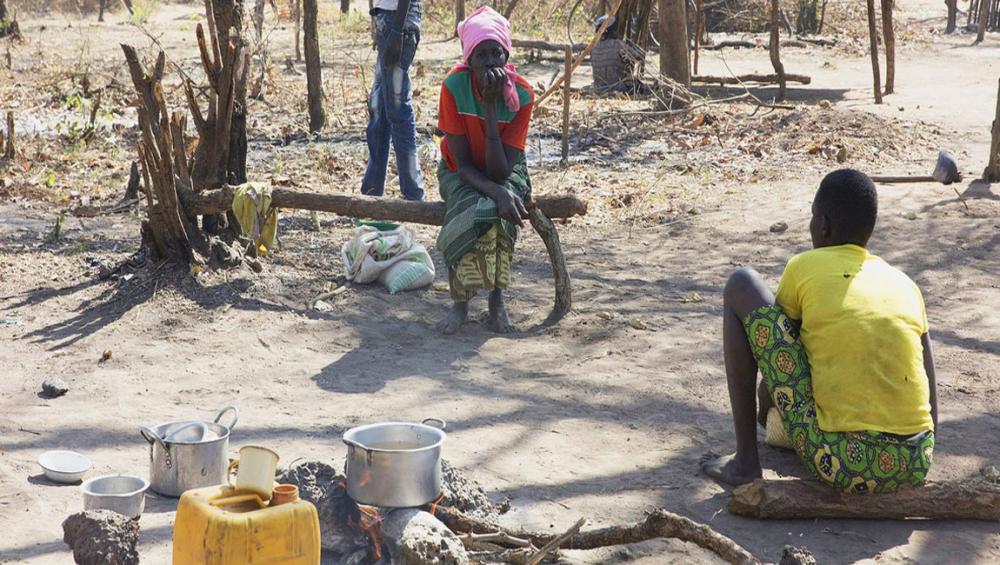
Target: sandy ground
column 592, row 418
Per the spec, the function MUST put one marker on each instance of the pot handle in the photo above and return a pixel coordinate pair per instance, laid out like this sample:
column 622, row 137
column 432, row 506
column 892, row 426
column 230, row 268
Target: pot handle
column 442, row 423
column 356, row 445
column 236, row 416
column 153, row 437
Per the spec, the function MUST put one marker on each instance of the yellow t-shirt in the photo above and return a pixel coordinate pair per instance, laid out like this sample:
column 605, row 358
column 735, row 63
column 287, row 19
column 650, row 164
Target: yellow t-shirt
column 861, row 325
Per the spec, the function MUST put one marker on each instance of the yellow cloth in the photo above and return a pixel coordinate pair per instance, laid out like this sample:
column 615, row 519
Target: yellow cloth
column 252, row 208
column 861, row 325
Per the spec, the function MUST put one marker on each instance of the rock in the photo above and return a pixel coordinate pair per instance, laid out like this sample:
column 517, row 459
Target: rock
column 824, row 104
column 102, row 537
column 791, row 555
column 54, row 388
column 414, row 537
column 313, row 478
column 465, row 494
column 778, row 227
column 322, row 306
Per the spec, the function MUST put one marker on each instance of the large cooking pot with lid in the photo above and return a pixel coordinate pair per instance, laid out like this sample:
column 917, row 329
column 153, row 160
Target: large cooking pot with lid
column 395, row 464
column 188, row 454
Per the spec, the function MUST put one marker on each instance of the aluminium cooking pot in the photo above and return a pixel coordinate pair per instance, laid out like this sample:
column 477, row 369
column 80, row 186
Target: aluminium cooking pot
column 395, row 464
column 188, row 454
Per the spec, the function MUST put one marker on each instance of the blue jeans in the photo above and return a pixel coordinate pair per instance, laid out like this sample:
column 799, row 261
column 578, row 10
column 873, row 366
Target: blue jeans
column 390, row 111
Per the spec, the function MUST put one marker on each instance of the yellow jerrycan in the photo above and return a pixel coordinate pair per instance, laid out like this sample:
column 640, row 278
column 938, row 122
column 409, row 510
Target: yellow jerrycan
column 219, row 525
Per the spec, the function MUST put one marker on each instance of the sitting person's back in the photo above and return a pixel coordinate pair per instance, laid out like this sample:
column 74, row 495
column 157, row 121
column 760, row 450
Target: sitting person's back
column 861, row 325
column 843, row 351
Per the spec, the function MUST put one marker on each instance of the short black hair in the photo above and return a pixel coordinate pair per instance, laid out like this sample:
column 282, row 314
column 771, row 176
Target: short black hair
column 848, row 197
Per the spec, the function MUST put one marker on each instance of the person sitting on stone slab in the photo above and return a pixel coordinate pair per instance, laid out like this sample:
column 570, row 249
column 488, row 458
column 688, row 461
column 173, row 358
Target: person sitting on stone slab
column 843, row 351
column 484, row 113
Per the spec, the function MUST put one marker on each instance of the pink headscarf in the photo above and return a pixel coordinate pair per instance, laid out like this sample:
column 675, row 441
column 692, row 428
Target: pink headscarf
column 483, row 25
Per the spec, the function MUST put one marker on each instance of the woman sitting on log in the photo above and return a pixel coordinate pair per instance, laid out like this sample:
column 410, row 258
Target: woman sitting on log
column 485, row 109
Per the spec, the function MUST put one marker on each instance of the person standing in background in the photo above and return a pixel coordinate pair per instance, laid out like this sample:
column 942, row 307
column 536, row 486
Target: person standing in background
column 396, row 32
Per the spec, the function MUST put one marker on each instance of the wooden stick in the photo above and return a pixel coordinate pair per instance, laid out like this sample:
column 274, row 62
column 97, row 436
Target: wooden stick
column 803, row 499
column 765, row 79
column 583, row 55
column 500, row 538
column 902, row 179
column 873, row 40
column 11, row 149
column 555, row 543
column 889, row 38
column 657, row 524
column 567, row 97
column 547, row 231
column 779, row 68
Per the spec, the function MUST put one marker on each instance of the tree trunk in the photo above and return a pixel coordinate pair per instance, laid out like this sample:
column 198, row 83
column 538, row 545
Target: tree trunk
column 775, row 47
column 674, row 60
column 229, row 34
column 952, row 16
column 459, row 14
column 100, row 10
column 699, row 29
column 314, row 76
column 889, row 39
column 297, row 14
column 805, row 499
column 345, row 6
column 992, row 172
column 873, row 39
column 984, row 17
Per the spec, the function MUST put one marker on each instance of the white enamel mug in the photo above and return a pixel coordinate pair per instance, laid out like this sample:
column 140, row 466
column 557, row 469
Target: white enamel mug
column 256, row 468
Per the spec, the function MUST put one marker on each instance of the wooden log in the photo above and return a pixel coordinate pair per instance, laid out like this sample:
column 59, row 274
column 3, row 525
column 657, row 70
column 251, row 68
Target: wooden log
column 540, row 45
column 657, row 524
column 873, row 40
column 763, row 79
column 803, row 499
column 371, row 207
column 774, row 49
column 797, row 42
column 889, row 39
column 992, row 172
column 314, row 78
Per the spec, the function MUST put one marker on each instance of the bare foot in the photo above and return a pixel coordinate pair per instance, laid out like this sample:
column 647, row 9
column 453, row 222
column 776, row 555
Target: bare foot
column 727, row 469
column 456, row 317
column 498, row 321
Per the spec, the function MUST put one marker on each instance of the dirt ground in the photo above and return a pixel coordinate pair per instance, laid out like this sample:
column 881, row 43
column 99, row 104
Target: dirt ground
column 603, row 416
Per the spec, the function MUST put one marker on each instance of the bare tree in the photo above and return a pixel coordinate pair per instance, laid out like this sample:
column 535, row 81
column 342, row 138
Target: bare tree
column 992, row 172
column 459, row 14
column 984, row 18
column 952, row 15
column 314, row 76
column 873, row 40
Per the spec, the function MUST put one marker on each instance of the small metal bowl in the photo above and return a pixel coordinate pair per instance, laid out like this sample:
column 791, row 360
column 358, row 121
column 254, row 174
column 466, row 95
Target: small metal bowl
column 124, row 494
column 63, row 466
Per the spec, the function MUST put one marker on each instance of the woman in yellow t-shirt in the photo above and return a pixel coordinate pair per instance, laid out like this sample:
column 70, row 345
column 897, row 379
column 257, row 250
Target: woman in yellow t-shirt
column 843, row 351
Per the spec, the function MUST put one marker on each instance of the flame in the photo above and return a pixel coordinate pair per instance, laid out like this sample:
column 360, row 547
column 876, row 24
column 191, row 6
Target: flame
column 371, row 523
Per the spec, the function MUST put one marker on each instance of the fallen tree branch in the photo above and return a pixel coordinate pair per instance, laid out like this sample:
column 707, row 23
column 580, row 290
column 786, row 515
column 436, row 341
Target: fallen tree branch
column 396, row 210
column 763, row 79
column 657, row 524
column 545, row 45
column 801, row 499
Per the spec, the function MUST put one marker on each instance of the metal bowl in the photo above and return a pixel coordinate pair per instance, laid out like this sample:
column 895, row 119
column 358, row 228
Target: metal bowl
column 124, row 494
column 64, row 466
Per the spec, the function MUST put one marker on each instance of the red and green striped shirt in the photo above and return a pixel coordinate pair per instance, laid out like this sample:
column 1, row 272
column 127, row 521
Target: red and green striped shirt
column 463, row 112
